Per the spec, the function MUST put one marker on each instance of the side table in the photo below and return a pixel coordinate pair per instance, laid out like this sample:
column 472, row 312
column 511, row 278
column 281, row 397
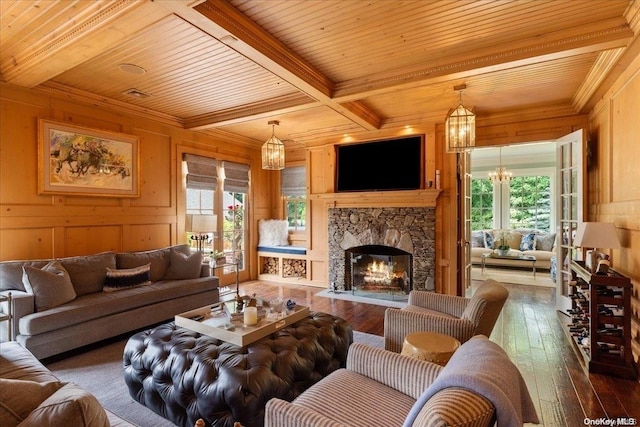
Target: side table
column 229, row 290
column 8, row 316
column 430, row 346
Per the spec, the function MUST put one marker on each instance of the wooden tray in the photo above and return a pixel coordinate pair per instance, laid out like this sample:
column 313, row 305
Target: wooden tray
column 239, row 334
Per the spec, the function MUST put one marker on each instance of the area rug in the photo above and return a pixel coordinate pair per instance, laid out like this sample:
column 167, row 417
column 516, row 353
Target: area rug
column 99, row 370
column 517, row 277
column 348, row 296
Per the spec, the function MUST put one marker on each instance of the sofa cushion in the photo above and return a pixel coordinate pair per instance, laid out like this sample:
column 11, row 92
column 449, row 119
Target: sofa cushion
column 124, row 278
column 528, row 242
column 51, row 285
column 11, row 273
column 88, row 272
column 69, row 406
column 383, row 406
column 18, row 363
column 182, row 266
column 545, row 242
column 101, row 304
column 513, row 238
column 19, row 397
column 158, row 258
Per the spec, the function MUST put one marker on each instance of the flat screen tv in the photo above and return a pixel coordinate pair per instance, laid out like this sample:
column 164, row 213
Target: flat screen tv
column 386, row 165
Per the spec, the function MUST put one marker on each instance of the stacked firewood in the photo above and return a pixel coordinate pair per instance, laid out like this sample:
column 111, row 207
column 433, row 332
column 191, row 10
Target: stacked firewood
column 270, row 265
column 294, row 268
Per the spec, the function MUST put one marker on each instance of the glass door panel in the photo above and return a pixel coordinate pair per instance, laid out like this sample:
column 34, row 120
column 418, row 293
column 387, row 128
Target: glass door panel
column 570, row 169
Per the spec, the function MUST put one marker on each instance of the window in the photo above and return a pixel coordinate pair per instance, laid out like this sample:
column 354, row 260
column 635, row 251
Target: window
column 201, row 182
column 294, row 194
column 530, row 202
column 234, row 211
column 481, row 204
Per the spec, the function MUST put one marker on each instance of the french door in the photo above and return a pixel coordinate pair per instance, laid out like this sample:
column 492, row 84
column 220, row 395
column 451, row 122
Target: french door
column 570, row 161
column 464, row 225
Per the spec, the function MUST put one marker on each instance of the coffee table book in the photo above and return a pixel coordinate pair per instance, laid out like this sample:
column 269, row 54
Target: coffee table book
column 240, row 335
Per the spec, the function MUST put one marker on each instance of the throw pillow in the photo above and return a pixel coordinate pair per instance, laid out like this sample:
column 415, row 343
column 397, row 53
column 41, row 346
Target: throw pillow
column 88, row 272
column 513, row 239
column 528, row 242
column 477, row 239
column 51, row 286
column 273, row 232
column 19, row 397
column 489, row 241
column 69, row 406
column 126, row 278
column 182, row 266
column 545, row 242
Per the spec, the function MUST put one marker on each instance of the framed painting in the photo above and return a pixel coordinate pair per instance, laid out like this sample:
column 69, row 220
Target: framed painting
column 76, row 160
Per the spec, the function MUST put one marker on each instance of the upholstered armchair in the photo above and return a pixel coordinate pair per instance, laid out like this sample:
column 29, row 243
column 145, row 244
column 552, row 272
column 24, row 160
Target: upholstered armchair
column 459, row 317
column 479, row 386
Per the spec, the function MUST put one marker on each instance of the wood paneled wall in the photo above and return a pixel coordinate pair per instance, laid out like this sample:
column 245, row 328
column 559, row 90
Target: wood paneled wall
column 614, row 178
column 45, row 226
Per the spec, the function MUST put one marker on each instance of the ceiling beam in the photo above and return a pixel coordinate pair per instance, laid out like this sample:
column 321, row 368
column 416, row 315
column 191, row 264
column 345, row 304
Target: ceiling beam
column 256, row 44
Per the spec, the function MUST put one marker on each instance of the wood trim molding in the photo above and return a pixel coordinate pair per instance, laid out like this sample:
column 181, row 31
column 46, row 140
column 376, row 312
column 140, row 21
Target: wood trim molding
column 405, row 198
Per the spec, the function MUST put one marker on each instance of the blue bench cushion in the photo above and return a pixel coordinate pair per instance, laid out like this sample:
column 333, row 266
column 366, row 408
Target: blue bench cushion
column 295, row 250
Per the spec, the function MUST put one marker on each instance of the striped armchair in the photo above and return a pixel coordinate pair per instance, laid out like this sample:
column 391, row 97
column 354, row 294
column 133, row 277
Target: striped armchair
column 380, row 388
column 458, row 317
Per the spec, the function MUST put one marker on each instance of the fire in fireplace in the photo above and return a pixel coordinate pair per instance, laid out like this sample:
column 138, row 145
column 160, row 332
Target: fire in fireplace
column 378, row 269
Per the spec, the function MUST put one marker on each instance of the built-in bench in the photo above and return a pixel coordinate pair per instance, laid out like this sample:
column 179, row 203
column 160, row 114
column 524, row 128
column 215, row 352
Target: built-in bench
column 280, row 263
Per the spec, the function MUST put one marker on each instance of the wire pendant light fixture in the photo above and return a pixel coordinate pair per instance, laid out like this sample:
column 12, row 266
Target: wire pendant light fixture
column 501, row 175
column 460, row 126
column 273, row 150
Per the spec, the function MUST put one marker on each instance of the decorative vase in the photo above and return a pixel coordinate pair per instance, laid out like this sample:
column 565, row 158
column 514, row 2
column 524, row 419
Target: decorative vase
column 503, row 252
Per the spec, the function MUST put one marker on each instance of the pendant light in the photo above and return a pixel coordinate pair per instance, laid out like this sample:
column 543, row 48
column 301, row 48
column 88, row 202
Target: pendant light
column 273, row 150
column 460, row 126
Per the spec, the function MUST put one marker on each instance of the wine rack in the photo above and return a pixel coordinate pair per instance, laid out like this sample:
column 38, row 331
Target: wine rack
column 601, row 321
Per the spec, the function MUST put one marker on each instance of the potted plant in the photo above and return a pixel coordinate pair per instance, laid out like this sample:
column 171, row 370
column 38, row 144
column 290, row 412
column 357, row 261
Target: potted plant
column 503, row 247
column 219, row 257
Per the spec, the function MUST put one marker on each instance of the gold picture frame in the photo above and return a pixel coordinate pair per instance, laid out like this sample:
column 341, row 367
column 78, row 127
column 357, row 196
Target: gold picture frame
column 76, row 160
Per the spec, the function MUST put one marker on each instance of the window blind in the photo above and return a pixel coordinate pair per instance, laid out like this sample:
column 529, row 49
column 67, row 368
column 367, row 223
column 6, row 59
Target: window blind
column 202, row 172
column 294, row 181
column 236, row 177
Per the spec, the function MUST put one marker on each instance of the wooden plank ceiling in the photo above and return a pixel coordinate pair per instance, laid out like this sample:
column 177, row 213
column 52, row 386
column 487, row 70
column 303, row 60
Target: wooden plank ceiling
column 323, row 68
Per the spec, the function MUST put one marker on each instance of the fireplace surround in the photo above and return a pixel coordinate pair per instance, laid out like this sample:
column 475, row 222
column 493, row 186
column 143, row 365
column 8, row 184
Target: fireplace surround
column 409, row 229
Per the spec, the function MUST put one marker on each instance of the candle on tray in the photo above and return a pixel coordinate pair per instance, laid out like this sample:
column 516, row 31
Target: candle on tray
column 250, row 315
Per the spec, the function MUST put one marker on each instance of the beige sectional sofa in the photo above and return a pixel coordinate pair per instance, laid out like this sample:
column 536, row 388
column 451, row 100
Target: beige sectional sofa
column 30, row 395
column 521, row 242
column 62, row 304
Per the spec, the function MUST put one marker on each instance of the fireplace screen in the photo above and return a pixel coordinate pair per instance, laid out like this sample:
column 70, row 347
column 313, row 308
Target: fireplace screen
column 378, row 269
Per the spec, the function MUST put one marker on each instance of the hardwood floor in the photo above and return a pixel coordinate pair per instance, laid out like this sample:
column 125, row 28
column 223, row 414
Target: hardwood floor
column 531, row 332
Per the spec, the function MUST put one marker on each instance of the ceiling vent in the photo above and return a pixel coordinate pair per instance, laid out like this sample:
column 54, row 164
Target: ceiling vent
column 136, row 93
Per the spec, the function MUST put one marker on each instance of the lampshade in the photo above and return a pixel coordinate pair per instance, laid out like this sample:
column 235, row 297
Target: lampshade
column 601, row 235
column 201, row 223
column 273, row 151
column 460, row 127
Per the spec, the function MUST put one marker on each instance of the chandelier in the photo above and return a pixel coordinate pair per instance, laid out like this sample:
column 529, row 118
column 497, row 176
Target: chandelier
column 501, row 175
column 460, row 127
column 273, row 150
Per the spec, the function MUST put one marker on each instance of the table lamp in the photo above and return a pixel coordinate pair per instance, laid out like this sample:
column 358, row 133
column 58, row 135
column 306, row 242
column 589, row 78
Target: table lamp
column 596, row 235
column 200, row 226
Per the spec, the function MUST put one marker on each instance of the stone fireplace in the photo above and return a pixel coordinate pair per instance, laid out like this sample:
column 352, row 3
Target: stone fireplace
column 411, row 230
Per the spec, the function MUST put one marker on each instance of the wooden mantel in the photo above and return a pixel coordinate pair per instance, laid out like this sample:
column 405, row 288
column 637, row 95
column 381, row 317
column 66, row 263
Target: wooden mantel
column 370, row 199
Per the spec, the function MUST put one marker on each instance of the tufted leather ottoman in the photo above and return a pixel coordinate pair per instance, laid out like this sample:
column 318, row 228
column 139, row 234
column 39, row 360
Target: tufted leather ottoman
column 183, row 375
